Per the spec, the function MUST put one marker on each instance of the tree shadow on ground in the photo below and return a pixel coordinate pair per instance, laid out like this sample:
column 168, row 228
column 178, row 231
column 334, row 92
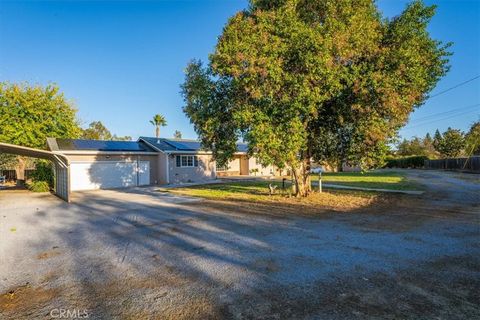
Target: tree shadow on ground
column 139, row 253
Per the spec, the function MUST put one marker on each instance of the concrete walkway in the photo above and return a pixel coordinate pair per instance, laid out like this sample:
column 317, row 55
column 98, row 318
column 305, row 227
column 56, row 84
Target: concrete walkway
column 336, row 186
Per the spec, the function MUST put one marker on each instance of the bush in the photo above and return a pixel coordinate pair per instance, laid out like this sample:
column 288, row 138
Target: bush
column 38, row 186
column 406, row 162
column 43, row 172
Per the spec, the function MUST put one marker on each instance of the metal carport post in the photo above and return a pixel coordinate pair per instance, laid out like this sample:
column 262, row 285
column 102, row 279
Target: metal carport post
column 61, row 164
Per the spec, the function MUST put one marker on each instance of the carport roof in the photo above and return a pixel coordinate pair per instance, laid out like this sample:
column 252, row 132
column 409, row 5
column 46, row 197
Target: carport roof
column 56, row 144
column 29, row 152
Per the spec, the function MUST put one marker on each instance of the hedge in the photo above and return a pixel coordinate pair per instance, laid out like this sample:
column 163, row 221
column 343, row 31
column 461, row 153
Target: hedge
column 38, row 186
column 406, row 162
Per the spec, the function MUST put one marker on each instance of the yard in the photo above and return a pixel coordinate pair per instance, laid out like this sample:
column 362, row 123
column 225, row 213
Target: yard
column 257, row 192
column 380, row 179
column 140, row 253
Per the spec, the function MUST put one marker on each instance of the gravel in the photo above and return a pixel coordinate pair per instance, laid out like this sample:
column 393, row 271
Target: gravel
column 143, row 254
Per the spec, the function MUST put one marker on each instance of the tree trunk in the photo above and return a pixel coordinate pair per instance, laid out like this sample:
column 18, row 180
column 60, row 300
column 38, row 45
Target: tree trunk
column 157, row 131
column 302, row 179
column 20, row 170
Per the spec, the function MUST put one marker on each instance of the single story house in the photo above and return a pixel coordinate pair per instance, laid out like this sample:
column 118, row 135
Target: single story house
column 94, row 164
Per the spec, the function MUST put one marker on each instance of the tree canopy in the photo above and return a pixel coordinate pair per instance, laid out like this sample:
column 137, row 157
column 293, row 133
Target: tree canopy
column 324, row 80
column 472, row 140
column 417, row 147
column 450, row 144
column 97, row 131
column 30, row 114
column 177, row 134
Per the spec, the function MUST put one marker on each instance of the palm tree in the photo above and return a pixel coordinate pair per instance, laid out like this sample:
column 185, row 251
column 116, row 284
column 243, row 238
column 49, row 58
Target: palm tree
column 158, row 120
column 177, row 134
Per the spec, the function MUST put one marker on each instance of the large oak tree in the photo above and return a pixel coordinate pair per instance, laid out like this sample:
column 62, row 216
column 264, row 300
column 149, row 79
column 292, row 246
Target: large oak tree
column 323, row 80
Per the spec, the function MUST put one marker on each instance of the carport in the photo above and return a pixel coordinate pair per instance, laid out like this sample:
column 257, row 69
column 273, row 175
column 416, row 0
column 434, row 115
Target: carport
column 61, row 166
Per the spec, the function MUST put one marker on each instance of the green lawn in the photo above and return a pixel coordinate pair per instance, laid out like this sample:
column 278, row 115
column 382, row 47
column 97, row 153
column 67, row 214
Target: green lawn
column 246, row 190
column 393, row 180
column 257, row 191
column 254, row 193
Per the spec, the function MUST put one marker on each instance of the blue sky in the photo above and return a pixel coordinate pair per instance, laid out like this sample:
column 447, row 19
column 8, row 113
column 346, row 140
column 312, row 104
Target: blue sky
column 122, row 62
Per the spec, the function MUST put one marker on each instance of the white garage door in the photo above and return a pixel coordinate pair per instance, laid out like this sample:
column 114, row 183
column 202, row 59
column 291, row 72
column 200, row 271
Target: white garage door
column 108, row 174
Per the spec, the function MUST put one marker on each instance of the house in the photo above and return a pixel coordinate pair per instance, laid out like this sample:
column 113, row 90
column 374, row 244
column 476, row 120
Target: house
column 95, row 164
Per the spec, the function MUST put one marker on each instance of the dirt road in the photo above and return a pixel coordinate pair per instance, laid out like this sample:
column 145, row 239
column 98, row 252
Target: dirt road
column 138, row 254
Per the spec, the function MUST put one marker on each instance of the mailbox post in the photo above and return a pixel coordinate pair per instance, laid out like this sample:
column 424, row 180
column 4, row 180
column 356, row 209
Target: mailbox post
column 320, row 182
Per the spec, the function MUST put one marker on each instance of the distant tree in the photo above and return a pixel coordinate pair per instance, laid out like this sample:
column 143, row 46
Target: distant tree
column 158, row 121
column 29, row 114
column 428, row 146
column 437, row 139
column 417, row 147
column 472, row 140
column 177, row 134
column 322, row 80
column 411, row 147
column 121, row 138
column 451, row 144
column 96, row 131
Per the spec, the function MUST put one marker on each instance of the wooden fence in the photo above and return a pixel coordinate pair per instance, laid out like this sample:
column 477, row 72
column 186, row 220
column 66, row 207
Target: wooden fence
column 466, row 164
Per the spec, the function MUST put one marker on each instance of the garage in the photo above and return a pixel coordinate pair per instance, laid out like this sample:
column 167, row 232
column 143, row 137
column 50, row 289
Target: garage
column 109, row 174
column 97, row 164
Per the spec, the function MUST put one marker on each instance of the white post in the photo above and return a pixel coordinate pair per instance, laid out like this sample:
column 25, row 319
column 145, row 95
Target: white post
column 320, row 182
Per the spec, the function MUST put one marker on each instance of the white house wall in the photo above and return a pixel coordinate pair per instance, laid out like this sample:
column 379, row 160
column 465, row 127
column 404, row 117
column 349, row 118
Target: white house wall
column 262, row 171
column 162, row 168
column 204, row 171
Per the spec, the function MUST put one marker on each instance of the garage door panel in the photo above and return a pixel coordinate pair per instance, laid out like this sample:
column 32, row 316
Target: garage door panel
column 113, row 175
column 143, row 173
column 103, row 175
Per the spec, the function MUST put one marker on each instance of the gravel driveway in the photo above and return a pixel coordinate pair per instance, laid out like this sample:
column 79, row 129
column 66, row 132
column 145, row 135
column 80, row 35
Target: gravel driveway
column 141, row 254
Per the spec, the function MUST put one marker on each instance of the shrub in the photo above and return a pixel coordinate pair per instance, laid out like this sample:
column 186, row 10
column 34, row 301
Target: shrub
column 406, row 162
column 254, row 171
column 38, row 186
column 43, row 172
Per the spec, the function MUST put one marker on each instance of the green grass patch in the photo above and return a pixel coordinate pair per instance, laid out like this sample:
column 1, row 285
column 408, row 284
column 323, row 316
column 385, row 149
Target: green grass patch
column 392, row 180
column 256, row 193
column 258, row 190
column 247, row 190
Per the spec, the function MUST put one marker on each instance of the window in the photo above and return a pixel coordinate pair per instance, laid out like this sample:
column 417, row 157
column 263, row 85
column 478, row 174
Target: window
column 187, row 161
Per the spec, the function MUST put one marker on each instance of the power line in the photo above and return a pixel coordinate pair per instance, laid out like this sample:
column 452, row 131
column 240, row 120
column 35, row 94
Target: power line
column 433, row 121
column 454, row 87
column 444, row 113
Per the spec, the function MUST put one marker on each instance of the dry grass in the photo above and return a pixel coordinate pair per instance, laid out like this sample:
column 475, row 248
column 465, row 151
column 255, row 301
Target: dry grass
column 254, row 195
column 25, row 297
